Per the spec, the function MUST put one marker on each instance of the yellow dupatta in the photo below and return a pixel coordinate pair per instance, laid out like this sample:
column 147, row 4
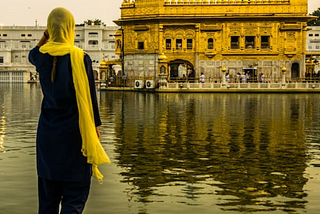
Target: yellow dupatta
column 61, row 27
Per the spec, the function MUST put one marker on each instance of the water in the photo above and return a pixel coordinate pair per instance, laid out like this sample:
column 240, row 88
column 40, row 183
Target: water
column 179, row 153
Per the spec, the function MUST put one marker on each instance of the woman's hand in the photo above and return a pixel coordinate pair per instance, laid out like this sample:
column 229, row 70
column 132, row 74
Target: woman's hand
column 46, row 34
column 44, row 38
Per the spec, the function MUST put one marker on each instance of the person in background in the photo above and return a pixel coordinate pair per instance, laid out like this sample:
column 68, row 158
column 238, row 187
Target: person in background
column 262, row 77
column 244, row 77
column 238, row 77
column 202, row 78
column 68, row 138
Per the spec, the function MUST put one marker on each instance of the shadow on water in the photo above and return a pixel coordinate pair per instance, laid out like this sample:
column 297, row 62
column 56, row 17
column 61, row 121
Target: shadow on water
column 247, row 152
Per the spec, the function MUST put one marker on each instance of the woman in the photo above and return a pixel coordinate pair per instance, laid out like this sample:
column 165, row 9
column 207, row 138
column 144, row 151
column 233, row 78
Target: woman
column 68, row 138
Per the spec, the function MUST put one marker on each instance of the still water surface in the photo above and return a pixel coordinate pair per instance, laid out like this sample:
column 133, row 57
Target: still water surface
column 179, row 153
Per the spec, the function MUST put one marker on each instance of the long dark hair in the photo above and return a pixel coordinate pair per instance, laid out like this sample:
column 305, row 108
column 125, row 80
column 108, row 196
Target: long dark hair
column 54, row 71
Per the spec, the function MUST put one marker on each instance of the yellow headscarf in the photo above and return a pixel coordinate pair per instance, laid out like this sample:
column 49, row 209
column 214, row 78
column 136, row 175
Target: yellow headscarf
column 61, row 27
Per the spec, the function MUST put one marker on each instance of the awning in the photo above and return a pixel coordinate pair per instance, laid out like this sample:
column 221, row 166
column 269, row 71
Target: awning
column 253, row 68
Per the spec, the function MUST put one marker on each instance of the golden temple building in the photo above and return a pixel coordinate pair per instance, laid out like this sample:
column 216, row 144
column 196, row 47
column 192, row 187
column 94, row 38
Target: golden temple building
column 202, row 36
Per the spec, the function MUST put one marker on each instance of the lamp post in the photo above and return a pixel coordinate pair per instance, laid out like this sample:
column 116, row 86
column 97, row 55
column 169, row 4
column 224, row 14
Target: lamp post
column 283, row 69
column 223, row 69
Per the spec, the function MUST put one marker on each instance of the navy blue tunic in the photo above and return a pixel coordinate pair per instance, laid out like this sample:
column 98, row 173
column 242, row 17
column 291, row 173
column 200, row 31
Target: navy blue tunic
column 59, row 141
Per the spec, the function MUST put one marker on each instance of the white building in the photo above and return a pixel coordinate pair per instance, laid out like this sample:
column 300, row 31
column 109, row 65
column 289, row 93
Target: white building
column 313, row 39
column 17, row 41
column 313, row 44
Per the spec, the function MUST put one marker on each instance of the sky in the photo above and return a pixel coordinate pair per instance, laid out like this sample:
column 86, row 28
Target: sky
column 25, row 12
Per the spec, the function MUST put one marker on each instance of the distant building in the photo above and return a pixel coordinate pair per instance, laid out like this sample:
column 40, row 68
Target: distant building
column 200, row 36
column 16, row 42
column 313, row 46
column 313, row 39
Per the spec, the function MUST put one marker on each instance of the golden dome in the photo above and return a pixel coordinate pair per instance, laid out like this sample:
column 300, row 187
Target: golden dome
column 162, row 57
column 103, row 63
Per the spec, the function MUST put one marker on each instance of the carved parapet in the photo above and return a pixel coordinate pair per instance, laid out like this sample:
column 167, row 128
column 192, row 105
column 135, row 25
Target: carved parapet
column 215, row 2
column 290, row 27
column 127, row 3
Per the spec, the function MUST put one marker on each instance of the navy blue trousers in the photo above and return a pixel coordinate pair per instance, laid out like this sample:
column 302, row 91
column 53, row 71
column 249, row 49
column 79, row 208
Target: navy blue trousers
column 71, row 195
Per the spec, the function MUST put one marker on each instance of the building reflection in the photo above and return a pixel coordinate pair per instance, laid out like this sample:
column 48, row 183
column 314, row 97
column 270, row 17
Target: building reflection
column 2, row 127
column 12, row 100
column 249, row 147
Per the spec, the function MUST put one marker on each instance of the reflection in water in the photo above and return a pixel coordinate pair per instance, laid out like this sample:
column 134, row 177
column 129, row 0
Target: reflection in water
column 2, row 128
column 248, row 147
column 180, row 153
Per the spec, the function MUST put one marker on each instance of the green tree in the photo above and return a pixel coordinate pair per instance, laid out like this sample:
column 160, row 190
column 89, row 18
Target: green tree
column 94, row 22
column 315, row 22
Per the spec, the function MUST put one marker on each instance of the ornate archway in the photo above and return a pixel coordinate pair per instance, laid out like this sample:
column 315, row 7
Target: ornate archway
column 295, row 70
column 181, row 70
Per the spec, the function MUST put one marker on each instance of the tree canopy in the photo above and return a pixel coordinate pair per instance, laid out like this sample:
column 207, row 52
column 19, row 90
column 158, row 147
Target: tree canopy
column 315, row 22
column 92, row 22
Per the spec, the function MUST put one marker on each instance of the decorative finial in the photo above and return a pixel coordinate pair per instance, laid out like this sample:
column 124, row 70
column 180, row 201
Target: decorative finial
column 224, row 69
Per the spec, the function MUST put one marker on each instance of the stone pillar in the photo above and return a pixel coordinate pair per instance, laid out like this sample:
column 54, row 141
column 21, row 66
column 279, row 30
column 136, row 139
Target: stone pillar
column 161, row 39
column 283, row 70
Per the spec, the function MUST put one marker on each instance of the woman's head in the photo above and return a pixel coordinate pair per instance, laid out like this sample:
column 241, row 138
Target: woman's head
column 61, row 26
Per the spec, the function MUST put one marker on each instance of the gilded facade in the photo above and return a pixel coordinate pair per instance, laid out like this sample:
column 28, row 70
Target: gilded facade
column 200, row 36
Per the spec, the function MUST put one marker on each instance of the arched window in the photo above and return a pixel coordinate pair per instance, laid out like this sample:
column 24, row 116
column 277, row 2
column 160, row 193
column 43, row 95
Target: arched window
column 250, row 42
column 210, row 43
column 235, row 42
column 93, row 42
column 179, row 44
column 162, row 69
column 168, row 44
column 140, row 45
column 265, row 42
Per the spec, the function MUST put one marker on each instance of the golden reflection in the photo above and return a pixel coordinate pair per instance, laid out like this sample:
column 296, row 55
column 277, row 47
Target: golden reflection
column 2, row 130
column 245, row 147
